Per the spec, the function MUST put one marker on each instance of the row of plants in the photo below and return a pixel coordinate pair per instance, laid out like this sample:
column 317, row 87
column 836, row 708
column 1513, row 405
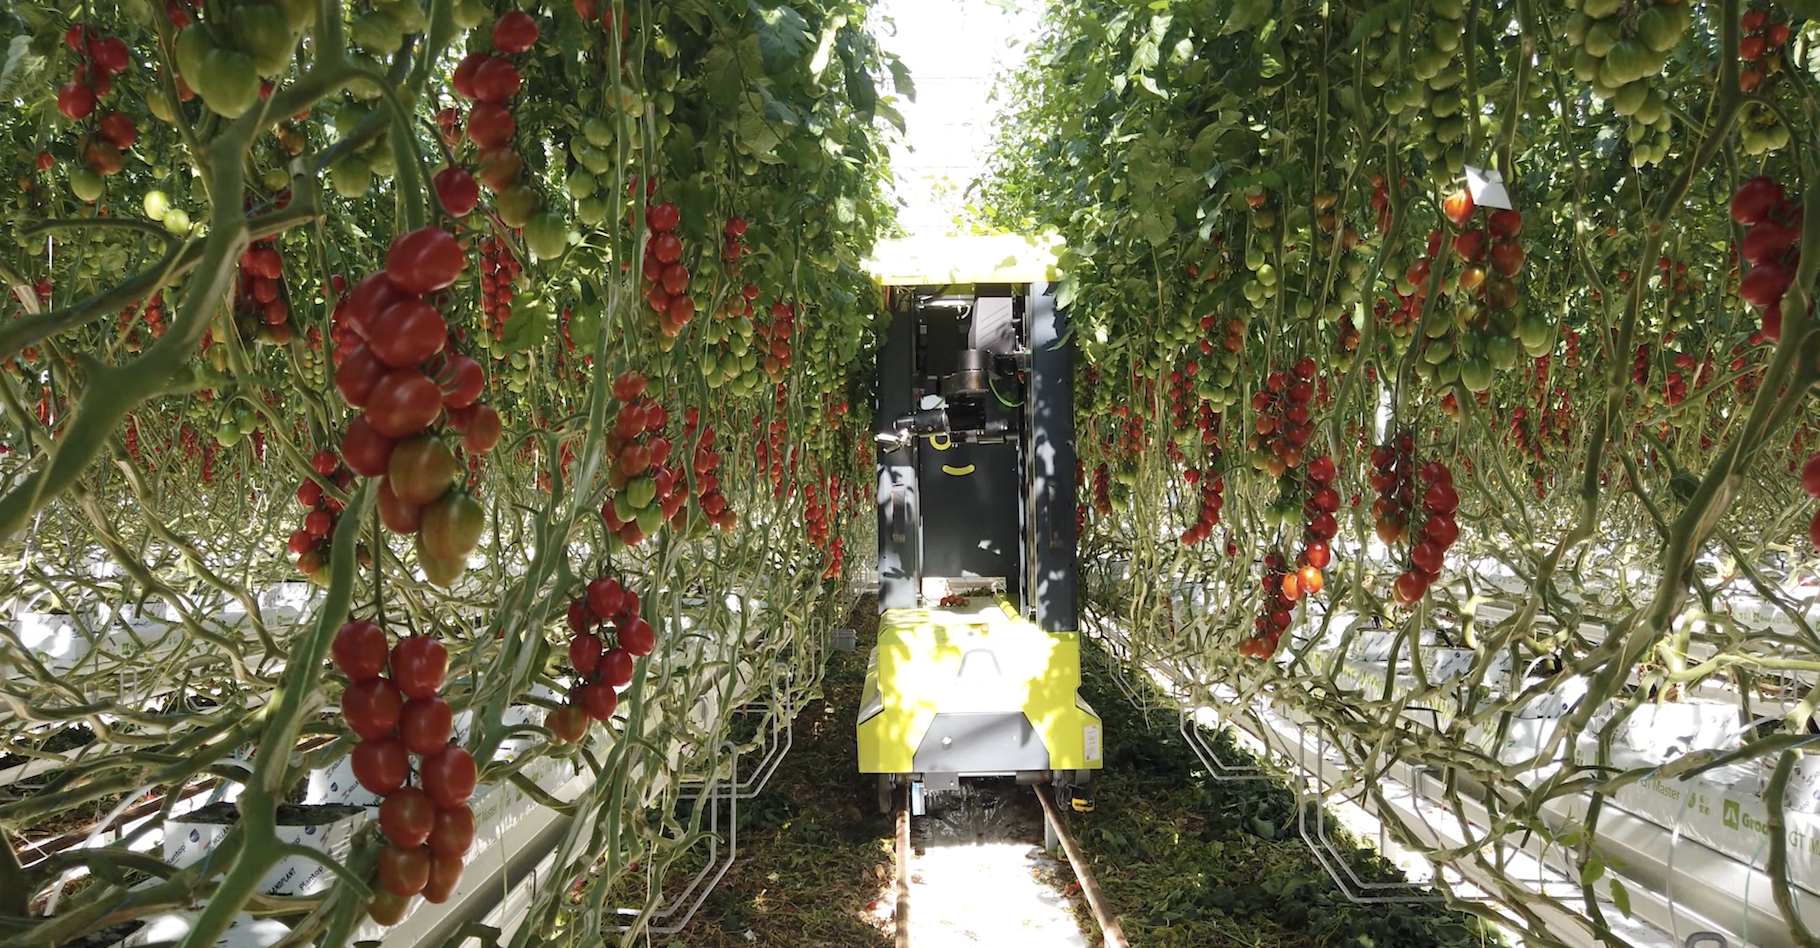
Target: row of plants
column 456, row 390
column 1326, row 376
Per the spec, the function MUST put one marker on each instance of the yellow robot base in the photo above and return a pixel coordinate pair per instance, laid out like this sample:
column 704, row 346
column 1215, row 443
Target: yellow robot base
column 975, row 690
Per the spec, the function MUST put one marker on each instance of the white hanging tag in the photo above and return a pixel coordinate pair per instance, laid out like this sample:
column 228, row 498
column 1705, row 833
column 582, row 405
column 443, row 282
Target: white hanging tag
column 1487, row 188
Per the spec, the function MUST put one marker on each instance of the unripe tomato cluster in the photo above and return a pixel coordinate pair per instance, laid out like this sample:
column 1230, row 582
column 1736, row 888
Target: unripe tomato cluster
column 259, row 293
column 1771, row 246
column 310, row 542
column 1621, row 44
column 1213, row 488
column 666, row 277
column 414, row 397
column 392, row 705
column 605, row 608
column 1282, row 422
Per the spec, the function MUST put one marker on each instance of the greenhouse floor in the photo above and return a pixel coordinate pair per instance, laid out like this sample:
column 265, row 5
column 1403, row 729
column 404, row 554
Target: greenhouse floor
column 1183, row 861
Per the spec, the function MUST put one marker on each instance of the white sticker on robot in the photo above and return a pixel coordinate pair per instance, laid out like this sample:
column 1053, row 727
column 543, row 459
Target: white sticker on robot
column 1090, row 740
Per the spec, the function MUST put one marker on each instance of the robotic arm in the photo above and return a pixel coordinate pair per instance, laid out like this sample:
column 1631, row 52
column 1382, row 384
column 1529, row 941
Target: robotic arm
column 962, row 412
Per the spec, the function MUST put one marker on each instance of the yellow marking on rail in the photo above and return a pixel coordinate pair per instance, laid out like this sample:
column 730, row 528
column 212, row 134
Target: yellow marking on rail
column 957, row 471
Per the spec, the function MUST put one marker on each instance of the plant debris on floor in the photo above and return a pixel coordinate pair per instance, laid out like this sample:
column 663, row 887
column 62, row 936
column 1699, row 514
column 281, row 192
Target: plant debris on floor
column 815, row 855
column 1190, row 862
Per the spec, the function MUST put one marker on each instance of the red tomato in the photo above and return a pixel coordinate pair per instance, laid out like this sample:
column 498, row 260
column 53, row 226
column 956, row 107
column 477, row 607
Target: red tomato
column 359, row 650
column 597, row 700
column 387, row 909
column 567, row 724
column 452, row 832
column 662, row 218
column 616, row 667
column 1440, row 499
column 1458, row 209
column 421, row 469
column 418, row 665
column 490, row 125
column 1442, row 529
column 666, row 247
column 496, row 80
column 1810, row 477
column 461, row 379
column 482, row 431
column 637, row 637
column 402, row 403
column 448, row 776
column 398, row 516
column 407, row 333
column 372, row 295
column 457, row 191
column 110, row 55
column 628, row 385
column 736, row 227
column 371, row 708
column 463, row 79
column 1311, row 580
column 1505, row 224
column 75, row 101
column 1754, row 201
column 118, row 130
column 1318, row 554
column 579, row 618
column 425, row 725
column 499, row 168
column 381, row 766
column 366, row 450
column 424, row 260
column 1409, row 587
column 1765, row 285
column 405, row 816
column 515, row 32
column 1426, row 556
column 584, row 653
column 301, row 542
column 605, row 597
column 444, row 874
column 1321, row 470
column 404, row 871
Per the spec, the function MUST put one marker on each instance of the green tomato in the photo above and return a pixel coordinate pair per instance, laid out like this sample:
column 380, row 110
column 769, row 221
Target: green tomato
column 156, row 204
column 86, row 185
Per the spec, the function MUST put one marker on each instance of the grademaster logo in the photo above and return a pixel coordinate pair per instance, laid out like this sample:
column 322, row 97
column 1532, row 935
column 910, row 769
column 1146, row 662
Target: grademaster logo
column 1729, row 814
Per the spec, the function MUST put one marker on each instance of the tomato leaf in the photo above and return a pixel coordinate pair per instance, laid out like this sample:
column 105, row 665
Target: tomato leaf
column 1620, row 897
column 19, row 69
column 900, row 78
column 528, row 326
column 1592, row 871
column 783, row 37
